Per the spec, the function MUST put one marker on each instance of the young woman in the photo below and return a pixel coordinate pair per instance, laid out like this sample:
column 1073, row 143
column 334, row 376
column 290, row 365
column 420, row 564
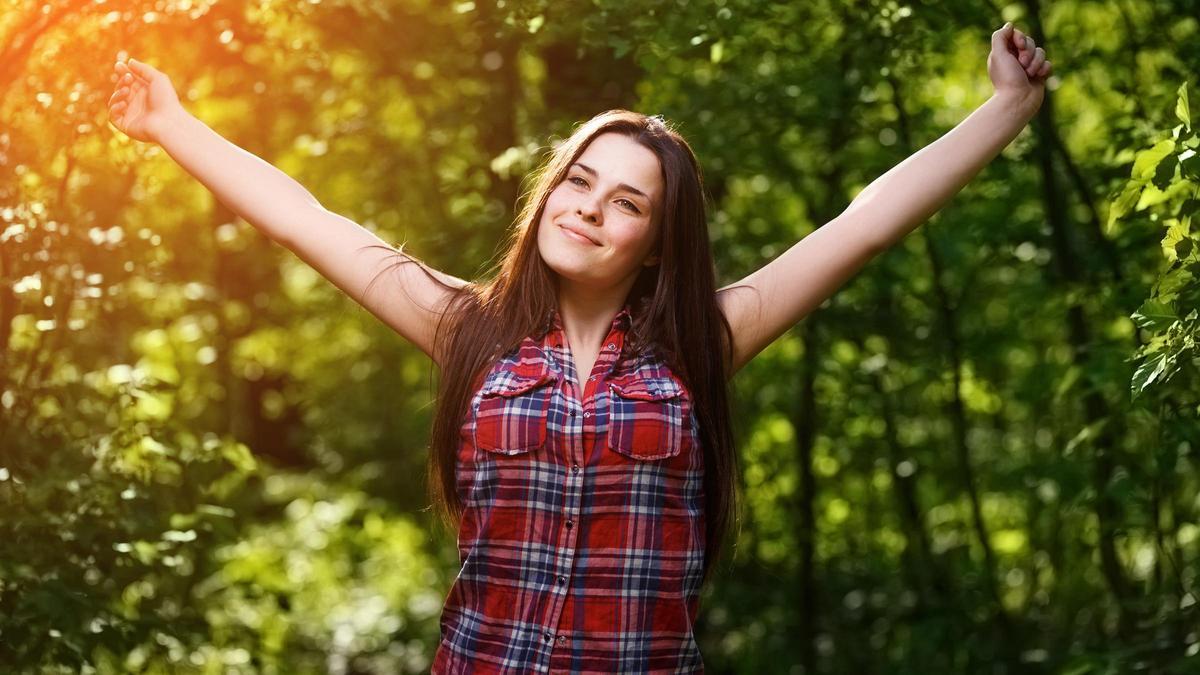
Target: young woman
column 582, row 439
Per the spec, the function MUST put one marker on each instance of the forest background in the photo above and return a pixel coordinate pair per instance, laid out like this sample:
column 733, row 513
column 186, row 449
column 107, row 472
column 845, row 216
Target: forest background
column 979, row 456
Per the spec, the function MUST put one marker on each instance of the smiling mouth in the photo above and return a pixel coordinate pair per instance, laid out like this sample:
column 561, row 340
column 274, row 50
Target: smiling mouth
column 576, row 236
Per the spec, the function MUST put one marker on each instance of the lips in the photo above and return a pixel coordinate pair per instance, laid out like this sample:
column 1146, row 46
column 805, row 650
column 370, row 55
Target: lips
column 578, row 235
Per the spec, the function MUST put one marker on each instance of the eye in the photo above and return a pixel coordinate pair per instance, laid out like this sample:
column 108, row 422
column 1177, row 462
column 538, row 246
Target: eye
column 631, row 206
column 581, row 183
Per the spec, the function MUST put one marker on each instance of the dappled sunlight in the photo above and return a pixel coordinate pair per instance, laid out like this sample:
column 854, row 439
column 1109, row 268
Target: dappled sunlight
column 978, row 455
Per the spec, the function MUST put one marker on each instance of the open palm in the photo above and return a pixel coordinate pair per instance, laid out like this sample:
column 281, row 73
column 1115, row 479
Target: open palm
column 142, row 101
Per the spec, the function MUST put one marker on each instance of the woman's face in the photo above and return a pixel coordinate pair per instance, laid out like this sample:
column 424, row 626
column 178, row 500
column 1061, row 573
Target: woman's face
column 601, row 222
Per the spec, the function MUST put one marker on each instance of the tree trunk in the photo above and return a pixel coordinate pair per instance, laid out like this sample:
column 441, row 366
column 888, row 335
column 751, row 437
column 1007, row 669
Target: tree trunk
column 805, row 423
column 947, row 312
column 1097, row 413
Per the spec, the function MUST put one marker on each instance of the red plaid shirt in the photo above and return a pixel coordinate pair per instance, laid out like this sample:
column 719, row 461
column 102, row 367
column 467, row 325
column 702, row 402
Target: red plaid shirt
column 582, row 538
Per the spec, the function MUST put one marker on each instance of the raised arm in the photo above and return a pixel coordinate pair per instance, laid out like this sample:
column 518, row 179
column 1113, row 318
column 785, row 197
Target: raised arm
column 784, row 291
column 146, row 107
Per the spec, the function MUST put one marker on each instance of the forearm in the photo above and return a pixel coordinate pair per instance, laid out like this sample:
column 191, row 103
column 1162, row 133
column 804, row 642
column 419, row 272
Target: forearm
column 259, row 193
column 907, row 195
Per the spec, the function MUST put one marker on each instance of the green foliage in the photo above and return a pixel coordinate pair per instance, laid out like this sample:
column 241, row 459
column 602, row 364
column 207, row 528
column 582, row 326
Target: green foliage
column 212, row 462
column 1165, row 182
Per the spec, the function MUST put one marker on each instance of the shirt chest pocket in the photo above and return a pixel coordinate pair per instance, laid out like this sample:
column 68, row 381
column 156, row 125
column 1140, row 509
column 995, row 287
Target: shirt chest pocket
column 510, row 417
column 648, row 417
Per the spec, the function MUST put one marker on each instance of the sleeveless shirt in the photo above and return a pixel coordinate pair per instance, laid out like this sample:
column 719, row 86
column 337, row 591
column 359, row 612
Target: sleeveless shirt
column 581, row 542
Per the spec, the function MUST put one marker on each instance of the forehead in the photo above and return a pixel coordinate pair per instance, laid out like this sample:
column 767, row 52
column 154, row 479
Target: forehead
column 620, row 159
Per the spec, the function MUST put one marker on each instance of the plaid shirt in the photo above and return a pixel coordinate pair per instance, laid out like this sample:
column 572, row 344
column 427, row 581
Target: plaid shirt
column 582, row 537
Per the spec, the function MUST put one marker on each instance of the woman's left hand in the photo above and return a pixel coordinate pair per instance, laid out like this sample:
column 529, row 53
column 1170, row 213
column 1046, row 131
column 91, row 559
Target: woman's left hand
column 1018, row 67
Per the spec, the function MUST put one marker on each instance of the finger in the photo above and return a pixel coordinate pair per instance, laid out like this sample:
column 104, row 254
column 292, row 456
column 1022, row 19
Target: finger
column 123, row 69
column 1002, row 37
column 1018, row 40
column 131, row 76
column 1026, row 57
column 1035, row 64
column 1045, row 70
column 116, row 96
column 143, row 70
column 1026, row 51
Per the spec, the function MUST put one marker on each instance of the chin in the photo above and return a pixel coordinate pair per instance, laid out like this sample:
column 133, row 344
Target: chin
column 561, row 260
column 574, row 271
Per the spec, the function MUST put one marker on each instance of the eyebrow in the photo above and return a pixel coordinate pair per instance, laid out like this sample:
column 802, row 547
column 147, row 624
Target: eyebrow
column 624, row 186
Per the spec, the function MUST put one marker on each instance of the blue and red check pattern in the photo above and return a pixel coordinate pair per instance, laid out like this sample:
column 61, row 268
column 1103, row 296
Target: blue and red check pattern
column 582, row 538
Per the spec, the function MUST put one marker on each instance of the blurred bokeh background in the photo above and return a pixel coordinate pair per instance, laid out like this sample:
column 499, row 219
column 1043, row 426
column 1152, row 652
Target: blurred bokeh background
column 979, row 456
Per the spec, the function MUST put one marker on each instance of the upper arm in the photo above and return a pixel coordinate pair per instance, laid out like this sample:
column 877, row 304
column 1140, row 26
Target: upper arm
column 353, row 258
column 765, row 304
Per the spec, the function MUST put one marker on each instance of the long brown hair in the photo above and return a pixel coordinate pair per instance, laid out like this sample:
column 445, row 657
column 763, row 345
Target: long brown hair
column 673, row 305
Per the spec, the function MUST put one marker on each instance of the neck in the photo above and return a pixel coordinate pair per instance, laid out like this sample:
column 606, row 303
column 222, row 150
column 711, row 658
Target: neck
column 587, row 314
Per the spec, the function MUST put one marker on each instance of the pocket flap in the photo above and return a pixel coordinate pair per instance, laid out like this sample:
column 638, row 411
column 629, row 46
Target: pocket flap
column 516, row 380
column 645, row 388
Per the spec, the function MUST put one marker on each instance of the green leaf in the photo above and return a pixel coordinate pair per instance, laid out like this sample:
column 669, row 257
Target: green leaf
column 1164, row 173
column 1154, row 315
column 213, row 510
column 1145, row 166
column 145, row 552
column 1084, row 435
column 1176, row 232
column 1123, row 203
column 1147, row 372
column 620, row 46
column 1067, row 382
column 179, row 536
column 1190, row 161
column 1176, row 279
column 239, row 455
column 180, row 521
column 1181, row 106
column 717, row 51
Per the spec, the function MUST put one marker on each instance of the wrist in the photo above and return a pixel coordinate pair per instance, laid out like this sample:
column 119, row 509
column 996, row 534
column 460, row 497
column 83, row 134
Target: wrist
column 1021, row 104
column 169, row 122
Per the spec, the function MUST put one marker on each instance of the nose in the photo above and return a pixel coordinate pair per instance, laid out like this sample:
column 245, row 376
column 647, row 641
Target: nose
column 588, row 209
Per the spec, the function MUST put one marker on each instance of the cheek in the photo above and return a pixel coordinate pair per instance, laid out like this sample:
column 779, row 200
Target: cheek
column 634, row 240
column 555, row 202
column 546, row 230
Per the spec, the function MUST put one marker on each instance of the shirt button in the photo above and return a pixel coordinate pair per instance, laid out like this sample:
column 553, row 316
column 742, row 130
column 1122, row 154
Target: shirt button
column 571, row 413
column 575, row 468
column 588, row 413
column 561, row 580
column 548, row 637
column 570, row 524
column 562, row 639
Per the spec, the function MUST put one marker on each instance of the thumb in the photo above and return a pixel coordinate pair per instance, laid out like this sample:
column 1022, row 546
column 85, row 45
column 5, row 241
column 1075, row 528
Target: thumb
column 1002, row 37
column 143, row 70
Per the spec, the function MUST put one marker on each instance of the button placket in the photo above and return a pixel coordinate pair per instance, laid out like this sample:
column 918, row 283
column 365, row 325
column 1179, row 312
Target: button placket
column 582, row 413
column 580, row 416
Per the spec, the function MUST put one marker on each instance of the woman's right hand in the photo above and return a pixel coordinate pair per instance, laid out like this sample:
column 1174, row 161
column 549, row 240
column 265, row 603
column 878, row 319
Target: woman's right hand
column 144, row 99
